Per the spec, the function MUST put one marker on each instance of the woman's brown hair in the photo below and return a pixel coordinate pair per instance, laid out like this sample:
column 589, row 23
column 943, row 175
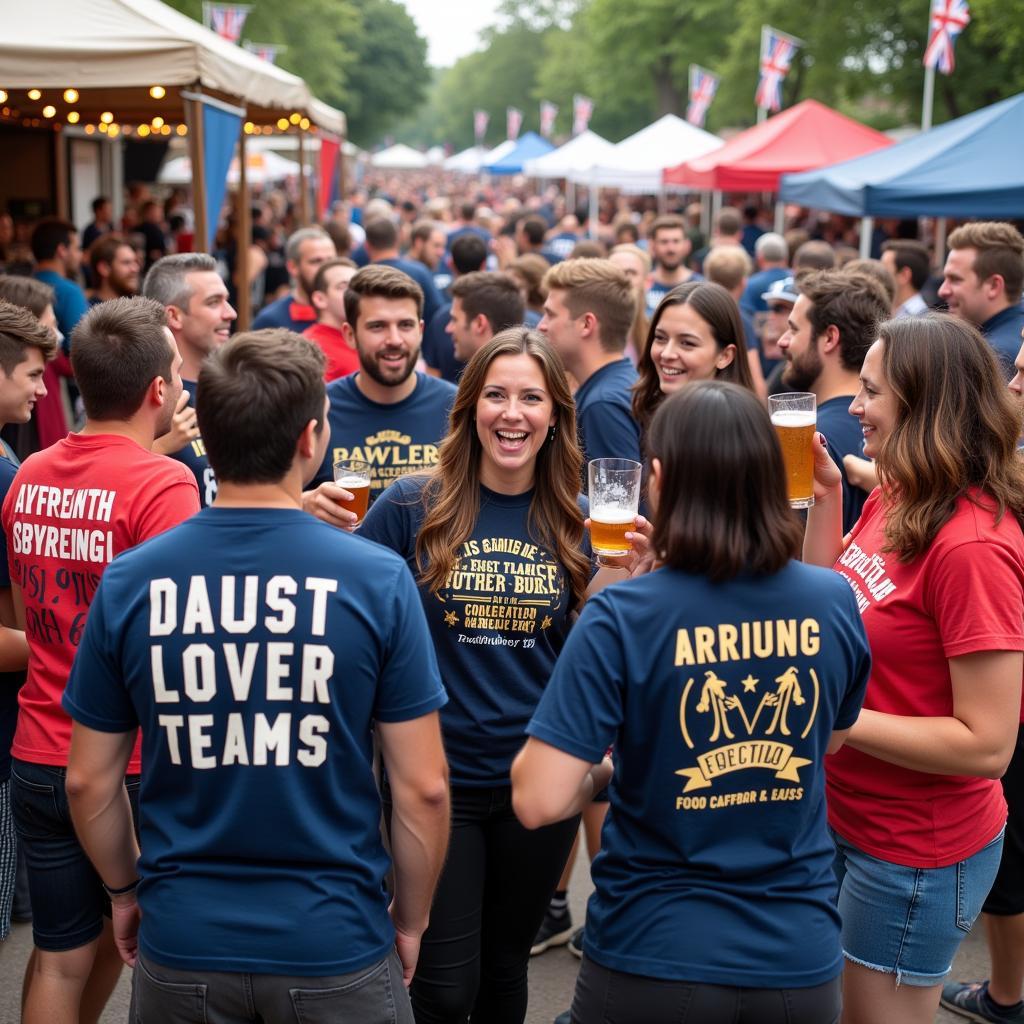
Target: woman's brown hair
column 722, row 503
column 956, row 430
column 452, row 495
column 719, row 310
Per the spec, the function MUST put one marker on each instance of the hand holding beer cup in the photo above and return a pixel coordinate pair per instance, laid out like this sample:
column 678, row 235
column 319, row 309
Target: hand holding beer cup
column 614, row 493
column 354, row 477
column 794, row 417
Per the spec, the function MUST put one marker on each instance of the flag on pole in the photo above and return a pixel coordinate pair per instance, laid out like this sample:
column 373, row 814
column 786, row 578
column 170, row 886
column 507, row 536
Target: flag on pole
column 703, row 86
column 225, row 19
column 480, row 119
column 265, row 51
column 582, row 110
column 513, row 122
column 548, row 113
column 777, row 52
column 949, row 18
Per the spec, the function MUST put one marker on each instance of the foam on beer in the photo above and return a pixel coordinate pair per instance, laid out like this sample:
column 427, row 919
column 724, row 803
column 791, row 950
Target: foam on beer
column 793, row 418
column 612, row 515
column 353, row 480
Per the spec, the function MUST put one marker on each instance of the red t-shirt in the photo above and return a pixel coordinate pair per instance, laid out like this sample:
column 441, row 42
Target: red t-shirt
column 342, row 359
column 69, row 511
column 964, row 595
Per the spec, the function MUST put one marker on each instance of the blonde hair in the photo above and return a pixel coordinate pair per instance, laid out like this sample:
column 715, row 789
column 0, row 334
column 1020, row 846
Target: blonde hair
column 727, row 265
column 597, row 286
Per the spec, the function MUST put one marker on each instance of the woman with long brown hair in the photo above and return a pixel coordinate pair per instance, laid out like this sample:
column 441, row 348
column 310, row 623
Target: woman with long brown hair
column 495, row 536
column 936, row 563
column 695, row 334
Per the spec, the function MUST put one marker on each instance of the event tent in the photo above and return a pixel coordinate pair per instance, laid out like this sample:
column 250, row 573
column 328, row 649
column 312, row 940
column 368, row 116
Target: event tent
column 260, row 167
column 637, row 162
column 399, row 157
column 970, row 167
column 800, row 138
column 528, row 147
column 578, row 154
column 468, row 161
column 501, row 150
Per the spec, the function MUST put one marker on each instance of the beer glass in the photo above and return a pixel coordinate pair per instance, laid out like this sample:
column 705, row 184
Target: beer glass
column 614, row 499
column 794, row 417
column 354, row 476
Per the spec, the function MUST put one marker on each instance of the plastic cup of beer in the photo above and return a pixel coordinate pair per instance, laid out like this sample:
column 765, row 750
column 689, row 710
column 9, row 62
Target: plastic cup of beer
column 614, row 493
column 795, row 418
column 355, row 478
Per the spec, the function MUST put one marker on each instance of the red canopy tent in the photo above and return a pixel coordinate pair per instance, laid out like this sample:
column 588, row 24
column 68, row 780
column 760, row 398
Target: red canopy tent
column 802, row 138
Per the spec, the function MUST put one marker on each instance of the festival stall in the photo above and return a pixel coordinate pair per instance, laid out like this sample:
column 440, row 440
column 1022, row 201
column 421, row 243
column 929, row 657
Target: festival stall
column 577, row 155
column 529, row 147
column 399, row 157
column 468, row 161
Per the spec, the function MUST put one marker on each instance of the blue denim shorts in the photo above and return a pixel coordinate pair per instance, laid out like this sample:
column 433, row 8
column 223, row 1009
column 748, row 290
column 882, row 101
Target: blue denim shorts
column 910, row 921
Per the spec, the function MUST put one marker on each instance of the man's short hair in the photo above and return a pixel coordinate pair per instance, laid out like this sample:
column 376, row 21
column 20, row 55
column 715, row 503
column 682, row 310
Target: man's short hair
column 380, row 282
column 20, row 330
column 814, row 255
column 910, row 254
column 117, row 349
column 667, row 222
column 1000, row 248
column 876, row 269
column 855, row 303
column 104, row 249
column 26, row 291
column 532, row 268
column 495, row 295
column 772, row 248
column 423, row 229
column 469, row 253
column 381, row 234
column 727, row 265
column 255, row 379
column 167, row 280
column 534, row 229
column 296, row 238
column 320, row 281
column 49, row 235
column 729, row 221
column 597, row 286
column 467, row 211
column 98, row 203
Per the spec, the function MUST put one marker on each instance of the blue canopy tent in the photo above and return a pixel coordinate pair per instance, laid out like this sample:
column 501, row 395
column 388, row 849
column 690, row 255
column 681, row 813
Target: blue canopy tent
column 970, row 167
column 529, row 147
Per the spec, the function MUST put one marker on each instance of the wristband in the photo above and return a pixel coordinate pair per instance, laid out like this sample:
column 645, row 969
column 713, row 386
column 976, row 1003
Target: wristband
column 123, row 891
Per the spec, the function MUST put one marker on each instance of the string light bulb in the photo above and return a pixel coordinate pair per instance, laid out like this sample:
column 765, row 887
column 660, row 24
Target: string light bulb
column 182, row 129
column 304, row 124
column 73, row 117
column 49, row 110
column 158, row 92
column 283, row 124
column 34, row 94
column 107, row 117
column 70, row 95
column 3, row 96
column 143, row 131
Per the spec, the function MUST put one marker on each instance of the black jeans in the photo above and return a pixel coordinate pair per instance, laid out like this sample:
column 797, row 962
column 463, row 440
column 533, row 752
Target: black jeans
column 490, row 902
column 604, row 996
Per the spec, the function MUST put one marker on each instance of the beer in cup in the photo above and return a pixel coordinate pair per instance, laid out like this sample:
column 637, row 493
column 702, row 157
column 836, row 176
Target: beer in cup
column 355, row 478
column 794, row 417
column 614, row 493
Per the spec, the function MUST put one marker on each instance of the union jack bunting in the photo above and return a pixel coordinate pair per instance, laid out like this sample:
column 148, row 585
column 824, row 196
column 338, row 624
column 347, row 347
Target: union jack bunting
column 777, row 52
column 548, row 113
column 949, row 19
column 265, row 51
column 226, row 19
column 582, row 110
column 513, row 122
column 703, row 86
column 480, row 119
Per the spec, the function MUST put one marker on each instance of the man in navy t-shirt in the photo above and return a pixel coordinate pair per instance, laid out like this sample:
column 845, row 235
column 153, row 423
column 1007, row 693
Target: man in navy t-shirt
column 306, row 249
column 257, row 649
column 382, row 245
column 833, row 324
column 386, row 414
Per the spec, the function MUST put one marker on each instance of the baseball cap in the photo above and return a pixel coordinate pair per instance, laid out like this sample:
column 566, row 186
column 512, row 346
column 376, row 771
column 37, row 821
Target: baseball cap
column 783, row 290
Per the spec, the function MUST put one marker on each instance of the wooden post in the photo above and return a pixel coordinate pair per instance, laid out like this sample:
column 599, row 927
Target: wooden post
column 243, row 240
column 194, row 119
column 62, row 206
column 341, row 167
column 303, row 184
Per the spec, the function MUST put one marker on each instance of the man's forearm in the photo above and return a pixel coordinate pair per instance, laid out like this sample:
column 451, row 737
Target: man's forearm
column 419, row 841
column 103, row 822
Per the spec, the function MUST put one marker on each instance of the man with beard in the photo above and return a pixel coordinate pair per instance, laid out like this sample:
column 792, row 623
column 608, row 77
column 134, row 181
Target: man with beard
column 386, row 414
column 305, row 251
column 199, row 316
column 115, row 269
column 669, row 248
column 833, row 324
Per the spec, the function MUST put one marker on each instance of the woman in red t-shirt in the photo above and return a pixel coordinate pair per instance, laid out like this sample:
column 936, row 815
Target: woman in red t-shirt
column 936, row 562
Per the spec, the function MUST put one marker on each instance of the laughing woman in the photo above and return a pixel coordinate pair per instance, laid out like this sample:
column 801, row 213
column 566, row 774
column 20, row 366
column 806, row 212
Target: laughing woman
column 495, row 538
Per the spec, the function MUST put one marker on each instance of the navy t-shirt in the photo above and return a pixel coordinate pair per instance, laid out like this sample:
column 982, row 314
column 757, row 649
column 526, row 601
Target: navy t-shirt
column 255, row 648
column 604, row 413
column 1003, row 332
column 10, row 682
column 285, row 312
column 423, row 277
column 720, row 699
column 656, row 291
column 843, row 436
column 497, row 626
column 193, row 455
column 394, row 439
column 438, row 350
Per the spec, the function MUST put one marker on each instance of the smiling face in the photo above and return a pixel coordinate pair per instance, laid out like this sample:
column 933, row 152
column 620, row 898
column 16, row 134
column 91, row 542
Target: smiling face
column 967, row 296
column 684, row 349
column 670, row 247
column 1017, row 384
column 875, row 405
column 387, row 336
column 123, row 271
column 514, row 413
column 206, row 324
column 20, row 389
column 800, row 349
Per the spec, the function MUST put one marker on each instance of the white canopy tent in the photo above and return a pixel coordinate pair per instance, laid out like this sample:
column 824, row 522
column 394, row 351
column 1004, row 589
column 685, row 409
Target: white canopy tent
column 636, row 163
column 492, row 156
column 577, row 155
column 468, row 161
column 260, row 168
column 399, row 157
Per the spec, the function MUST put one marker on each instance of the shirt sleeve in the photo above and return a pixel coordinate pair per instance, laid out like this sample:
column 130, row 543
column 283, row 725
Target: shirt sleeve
column 581, row 709
column 435, row 337
column 609, row 432
column 96, row 695
column 172, row 503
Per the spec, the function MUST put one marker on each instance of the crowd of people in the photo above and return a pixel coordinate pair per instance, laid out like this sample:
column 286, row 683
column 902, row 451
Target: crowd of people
column 292, row 762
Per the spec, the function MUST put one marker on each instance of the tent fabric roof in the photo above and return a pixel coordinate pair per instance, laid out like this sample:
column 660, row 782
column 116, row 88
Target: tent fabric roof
column 637, row 162
column 578, row 154
column 803, row 137
column 529, row 147
column 120, row 44
column 399, row 157
column 970, row 167
column 468, row 161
